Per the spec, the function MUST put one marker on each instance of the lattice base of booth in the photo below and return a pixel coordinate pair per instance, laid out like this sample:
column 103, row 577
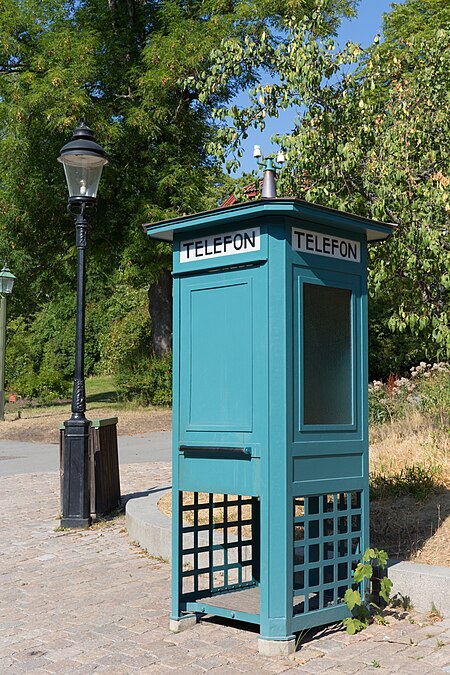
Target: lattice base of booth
column 219, row 543
column 220, row 550
column 327, row 548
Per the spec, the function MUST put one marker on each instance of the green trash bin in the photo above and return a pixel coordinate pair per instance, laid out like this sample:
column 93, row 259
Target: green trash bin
column 104, row 477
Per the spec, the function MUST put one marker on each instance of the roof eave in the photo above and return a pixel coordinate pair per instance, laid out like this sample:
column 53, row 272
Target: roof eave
column 375, row 230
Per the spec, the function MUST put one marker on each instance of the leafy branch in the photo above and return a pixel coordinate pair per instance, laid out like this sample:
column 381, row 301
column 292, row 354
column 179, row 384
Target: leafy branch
column 362, row 607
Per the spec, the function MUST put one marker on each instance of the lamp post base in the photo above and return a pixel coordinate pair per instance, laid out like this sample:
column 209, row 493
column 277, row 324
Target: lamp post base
column 76, row 495
column 75, row 523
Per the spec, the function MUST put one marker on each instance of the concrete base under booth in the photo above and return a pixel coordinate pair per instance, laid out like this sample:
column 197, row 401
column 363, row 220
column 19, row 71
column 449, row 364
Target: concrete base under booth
column 183, row 623
column 265, row 647
column 276, row 647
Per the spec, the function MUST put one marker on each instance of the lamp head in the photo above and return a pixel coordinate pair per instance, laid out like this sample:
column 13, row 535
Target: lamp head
column 83, row 160
column 6, row 281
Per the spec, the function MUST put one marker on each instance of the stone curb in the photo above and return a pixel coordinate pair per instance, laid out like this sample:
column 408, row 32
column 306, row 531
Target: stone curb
column 149, row 527
column 425, row 587
column 422, row 586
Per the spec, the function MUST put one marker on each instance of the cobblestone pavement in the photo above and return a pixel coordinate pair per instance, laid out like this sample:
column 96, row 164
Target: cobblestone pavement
column 93, row 602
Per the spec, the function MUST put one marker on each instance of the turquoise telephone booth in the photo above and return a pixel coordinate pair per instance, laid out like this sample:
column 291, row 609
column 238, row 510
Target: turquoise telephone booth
column 270, row 439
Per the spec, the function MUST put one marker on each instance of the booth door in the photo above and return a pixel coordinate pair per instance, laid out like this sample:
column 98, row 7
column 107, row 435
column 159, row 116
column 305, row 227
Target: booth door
column 223, row 358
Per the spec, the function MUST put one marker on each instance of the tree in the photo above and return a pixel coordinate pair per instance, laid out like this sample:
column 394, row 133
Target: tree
column 128, row 67
column 124, row 65
column 371, row 136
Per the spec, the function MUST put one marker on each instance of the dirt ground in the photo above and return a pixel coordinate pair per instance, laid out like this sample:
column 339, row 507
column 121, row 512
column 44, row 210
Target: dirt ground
column 410, row 529
column 406, row 527
column 42, row 426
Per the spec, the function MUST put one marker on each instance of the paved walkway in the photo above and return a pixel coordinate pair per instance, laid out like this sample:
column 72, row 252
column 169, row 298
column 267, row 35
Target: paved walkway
column 92, row 602
column 21, row 457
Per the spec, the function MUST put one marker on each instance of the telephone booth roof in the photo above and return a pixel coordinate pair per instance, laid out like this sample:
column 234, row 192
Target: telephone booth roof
column 286, row 206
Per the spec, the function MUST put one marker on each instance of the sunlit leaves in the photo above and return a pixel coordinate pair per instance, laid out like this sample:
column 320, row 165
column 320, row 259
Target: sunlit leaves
column 370, row 135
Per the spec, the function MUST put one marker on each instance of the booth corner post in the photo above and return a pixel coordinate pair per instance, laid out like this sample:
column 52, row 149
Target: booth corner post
column 83, row 160
column 6, row 285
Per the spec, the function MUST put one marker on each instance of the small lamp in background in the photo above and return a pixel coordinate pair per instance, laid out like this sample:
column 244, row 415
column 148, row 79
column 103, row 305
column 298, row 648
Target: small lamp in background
column 6, row 285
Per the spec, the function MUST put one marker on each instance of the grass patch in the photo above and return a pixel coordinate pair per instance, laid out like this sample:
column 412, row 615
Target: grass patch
column 417, row 480
column 110, row 520
column 409, row 481
column 409, row 444
column 100, row 394
column 101, row 388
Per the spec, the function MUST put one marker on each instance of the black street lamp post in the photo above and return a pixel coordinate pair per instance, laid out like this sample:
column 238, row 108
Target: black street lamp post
column 83, row 161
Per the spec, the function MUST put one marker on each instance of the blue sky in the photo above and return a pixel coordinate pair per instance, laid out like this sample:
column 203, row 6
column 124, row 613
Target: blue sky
column 361, row 29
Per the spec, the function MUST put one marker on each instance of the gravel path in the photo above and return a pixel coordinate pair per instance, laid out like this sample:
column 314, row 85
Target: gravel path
column 93, row 602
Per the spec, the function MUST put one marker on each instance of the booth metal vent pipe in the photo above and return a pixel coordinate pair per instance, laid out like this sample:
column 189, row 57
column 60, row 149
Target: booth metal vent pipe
column 269, row 190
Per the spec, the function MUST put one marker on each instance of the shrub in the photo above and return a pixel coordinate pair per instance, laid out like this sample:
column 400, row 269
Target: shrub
column 40, row 352
column 20, row 354
column 418, row 480
column 145, row 379
column 127, row 334
column 433, row 390
column 388, row 402
column 428, row 389
column 39, row 359
column 45, row 383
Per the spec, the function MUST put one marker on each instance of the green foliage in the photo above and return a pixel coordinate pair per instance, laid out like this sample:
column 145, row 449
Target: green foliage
column 46, row 386
column 352, row 598
column 378, row 554
column 428, row 390
column 128, row 67
column 360, row 603
column 362, row 571
column 122, row 64
column 372, row 139
column 416, row 18
column 35, row 366
column 125, row 350
column 417, row 480
column 385, row 589
column 145, row 379
column 155, row 80
column 434, row 395
column 126, row 327
column 390, row 352
column 40, row 355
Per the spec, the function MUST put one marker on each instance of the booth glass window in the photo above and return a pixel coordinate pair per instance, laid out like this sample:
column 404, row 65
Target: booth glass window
column 327, row 355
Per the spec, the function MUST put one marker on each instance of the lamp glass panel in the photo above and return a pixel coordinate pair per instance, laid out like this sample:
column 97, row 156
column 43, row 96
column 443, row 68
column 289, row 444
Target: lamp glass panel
column 9, row 283
column 6, row 283
column 83, row 174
